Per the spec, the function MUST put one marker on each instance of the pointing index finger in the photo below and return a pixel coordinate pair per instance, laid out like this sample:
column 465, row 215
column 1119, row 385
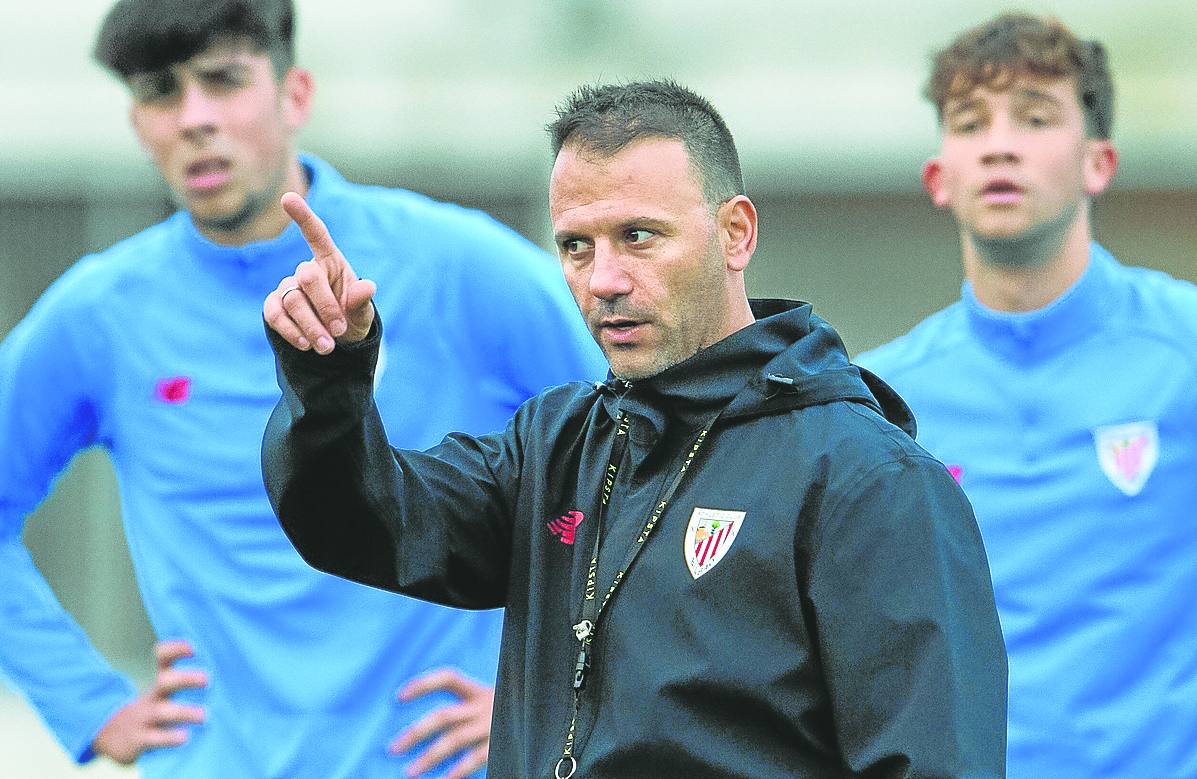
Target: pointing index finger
column 313, row 228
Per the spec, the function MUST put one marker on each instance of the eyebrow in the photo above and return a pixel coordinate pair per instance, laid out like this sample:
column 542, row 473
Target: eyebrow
column 634, row 221
column 953, row 107
column 220, row 65
column 145, row 76
column 1035, row 95
column 199, row 67
column 150, row 80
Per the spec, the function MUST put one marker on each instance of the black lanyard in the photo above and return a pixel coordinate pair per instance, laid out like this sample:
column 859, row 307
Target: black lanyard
column 592, row 608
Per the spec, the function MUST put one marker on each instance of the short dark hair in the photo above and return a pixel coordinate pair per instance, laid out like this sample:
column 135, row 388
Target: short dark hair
column 141, row 36
column 605, row 119
column 1012, row 45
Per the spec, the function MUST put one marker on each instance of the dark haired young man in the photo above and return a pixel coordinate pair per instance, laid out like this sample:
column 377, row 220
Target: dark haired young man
column 153, row 349
column 1061, row 392
column 725, row 561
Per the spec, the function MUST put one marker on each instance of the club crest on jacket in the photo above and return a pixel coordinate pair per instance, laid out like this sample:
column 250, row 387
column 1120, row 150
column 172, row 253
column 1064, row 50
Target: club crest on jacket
column 709, row 536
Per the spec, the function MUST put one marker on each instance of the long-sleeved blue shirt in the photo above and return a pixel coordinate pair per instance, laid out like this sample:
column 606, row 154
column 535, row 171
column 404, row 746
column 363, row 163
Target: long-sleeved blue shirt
column 154, row 350
column 1073, row 431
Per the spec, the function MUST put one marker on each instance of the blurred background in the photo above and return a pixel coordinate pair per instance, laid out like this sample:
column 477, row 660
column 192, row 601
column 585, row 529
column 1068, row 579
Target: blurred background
column 449, row 97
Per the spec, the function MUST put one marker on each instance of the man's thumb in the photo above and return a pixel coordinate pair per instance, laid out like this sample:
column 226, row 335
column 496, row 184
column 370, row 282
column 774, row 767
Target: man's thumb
column 359, row 308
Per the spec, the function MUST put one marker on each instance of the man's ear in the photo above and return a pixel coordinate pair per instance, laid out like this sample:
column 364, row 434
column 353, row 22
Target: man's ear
column 1101, row 163
column 736, row 221
column 298, row 87
column 934, row 184
column 135, row 123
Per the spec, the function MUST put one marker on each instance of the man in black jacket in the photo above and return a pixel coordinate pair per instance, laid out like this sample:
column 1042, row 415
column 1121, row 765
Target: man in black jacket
column 729, row 560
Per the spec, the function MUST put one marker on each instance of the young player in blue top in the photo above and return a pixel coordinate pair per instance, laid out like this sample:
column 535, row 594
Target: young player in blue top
column 154, row 350
column 1062, row 393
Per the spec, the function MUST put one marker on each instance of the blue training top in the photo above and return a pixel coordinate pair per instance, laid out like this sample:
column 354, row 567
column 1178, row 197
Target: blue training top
column 1073, row 431
column 155, row 350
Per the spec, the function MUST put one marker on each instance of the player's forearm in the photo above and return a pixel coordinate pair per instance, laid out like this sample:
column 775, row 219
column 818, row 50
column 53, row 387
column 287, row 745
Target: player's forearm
column 47, row 656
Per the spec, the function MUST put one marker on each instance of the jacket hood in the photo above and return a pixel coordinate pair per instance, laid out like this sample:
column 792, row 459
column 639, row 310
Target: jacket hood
column 789, row 358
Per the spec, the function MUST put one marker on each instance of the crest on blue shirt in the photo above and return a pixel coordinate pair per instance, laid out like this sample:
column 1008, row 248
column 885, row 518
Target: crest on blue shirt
column 708, row 537
column 1128, row 453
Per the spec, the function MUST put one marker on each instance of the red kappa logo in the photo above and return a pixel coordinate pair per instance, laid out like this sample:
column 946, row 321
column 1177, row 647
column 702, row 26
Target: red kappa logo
column 565, row 527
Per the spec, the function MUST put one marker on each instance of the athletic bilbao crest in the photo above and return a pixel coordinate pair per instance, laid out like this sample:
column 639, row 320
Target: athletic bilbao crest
column 1128, row 453
column 708, row 537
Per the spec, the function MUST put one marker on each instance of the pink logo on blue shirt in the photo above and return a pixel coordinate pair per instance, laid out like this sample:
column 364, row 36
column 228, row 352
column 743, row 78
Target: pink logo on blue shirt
column 1128, row 454
column 173, row 390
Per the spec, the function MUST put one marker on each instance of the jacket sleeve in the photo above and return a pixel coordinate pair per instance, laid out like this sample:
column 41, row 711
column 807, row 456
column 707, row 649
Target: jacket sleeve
column 435, row 525
column 51, row 372
column 907, row 627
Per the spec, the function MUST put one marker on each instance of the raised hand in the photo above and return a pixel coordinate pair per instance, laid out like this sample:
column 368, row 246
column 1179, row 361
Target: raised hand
column 462, row 727
column 324, row 302
column 151, row 720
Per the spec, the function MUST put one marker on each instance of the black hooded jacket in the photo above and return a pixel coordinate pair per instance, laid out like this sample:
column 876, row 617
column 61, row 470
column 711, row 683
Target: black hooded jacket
column 848, row 628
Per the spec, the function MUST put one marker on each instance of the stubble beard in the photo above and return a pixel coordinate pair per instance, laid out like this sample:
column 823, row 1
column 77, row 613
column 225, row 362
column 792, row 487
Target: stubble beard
column 1029, row 249
column 254, row 205
column 661, row 362
column 670, row 351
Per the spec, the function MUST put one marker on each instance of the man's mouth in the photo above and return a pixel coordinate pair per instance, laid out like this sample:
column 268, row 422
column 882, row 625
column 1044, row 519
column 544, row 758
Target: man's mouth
column 620, row 330
column 208, row 173
column 1002, row 191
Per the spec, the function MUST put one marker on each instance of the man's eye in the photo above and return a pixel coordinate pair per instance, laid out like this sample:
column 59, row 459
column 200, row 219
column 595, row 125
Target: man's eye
column 1038, row 120
column 151, row 88
column 965, row 126
column 639, row 236
column 574, row 246
column 224, row 78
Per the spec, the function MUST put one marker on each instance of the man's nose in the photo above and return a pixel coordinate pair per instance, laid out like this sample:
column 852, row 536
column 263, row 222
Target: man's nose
column 197, row 110
column 609, row 277
column 1000, row 143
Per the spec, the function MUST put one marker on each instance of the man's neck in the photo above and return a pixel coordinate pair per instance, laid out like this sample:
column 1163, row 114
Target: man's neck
column 270, row 222
column 1027, row 273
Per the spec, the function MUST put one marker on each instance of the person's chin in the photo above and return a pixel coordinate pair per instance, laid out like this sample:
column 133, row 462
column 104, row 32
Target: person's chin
column 207, row 203
column 227, row 212
column 223, row 196
column 631, row 370
column 641, row 367
column 1002, row 227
